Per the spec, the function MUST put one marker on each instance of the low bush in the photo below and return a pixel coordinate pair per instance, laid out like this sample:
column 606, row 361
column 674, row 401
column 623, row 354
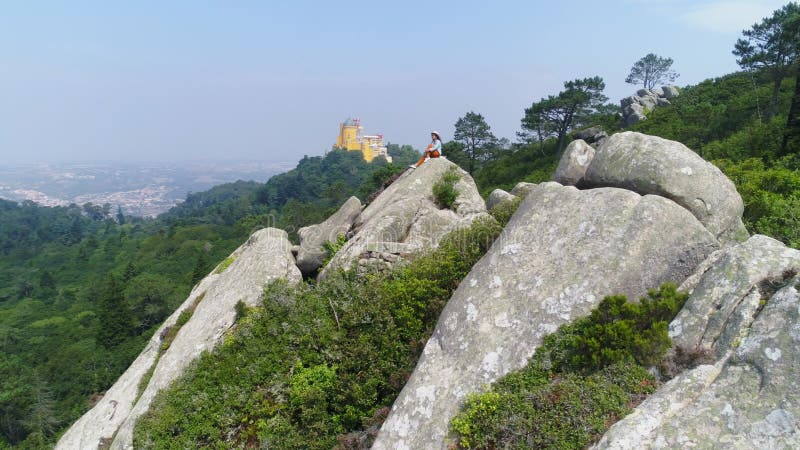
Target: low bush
column 503, row 211
column 444, row 190
column 319, row 364
column 332, row 247
column 583, row 378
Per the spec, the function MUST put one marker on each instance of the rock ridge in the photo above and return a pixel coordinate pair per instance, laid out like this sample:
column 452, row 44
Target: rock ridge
column 265, row 256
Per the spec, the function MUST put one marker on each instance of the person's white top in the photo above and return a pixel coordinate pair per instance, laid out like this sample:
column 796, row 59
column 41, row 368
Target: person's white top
column 437, row 146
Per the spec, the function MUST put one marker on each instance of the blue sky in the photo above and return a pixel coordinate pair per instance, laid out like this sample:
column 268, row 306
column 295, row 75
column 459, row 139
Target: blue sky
column 270, row 81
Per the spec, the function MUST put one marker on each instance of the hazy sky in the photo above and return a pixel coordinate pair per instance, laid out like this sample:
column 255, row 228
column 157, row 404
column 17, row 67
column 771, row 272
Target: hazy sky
column 267, row 80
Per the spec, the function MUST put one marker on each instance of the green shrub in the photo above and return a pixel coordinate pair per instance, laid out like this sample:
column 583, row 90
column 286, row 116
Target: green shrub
column 241, row 310
column 617, row 330
column 568, row 412
column 331, row 248
column 582, row 379
column 444, row 191
column 503, row 211
column 317, row 364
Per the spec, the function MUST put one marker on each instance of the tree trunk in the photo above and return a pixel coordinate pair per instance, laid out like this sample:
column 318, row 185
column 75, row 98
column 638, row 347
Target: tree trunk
column 773, row 103
column 791, row 134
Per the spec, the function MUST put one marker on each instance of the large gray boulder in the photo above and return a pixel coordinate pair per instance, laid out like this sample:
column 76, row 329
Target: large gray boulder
column 497, row 197
column 405, row 219
column 653, row 165
column 574, row 162
column 266, row 256
column 670, row 92
column 560, row 254
column 591, row 135
column 636, row 107
column 311, row 254
column 744, row 309
column 522, row 188
column 634, row 116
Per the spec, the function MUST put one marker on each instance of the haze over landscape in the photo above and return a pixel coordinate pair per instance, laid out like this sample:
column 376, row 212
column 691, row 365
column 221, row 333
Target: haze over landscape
column 265, row 81
column 607, row 255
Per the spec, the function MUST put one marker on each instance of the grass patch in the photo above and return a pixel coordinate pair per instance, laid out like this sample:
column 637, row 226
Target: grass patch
column 583, row 378
column 224, row 264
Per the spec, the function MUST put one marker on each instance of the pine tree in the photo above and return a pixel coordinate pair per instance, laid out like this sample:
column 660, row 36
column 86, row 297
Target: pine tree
column 114, row 314
column 651, row 70
column 130, row 272
column 200, row 269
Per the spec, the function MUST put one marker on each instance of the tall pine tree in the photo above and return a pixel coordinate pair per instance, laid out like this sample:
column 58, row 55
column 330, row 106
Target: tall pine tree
column 113, row 313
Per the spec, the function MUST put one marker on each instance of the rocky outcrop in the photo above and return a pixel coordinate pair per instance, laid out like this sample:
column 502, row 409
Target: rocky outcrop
column 265, row 256
column 497, row 197
column 522, row 189
column 593, row 136
column 405, row 218
column 311, row 254
column 652, row 165
column 744, row 309
column 574, row 162
column 636, row 107
column 562, row 251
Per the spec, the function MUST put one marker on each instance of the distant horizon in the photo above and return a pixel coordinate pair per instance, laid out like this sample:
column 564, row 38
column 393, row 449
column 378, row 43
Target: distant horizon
column 100, row 162
column 90, row 80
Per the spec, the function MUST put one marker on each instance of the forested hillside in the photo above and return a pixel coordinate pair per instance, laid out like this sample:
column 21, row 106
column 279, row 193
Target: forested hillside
column 311, row 394
column 82, row 288
column 726, row 121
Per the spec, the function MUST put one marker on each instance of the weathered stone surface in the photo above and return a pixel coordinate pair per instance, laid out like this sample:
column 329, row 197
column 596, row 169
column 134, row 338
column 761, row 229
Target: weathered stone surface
column 652, row 165
column 670, row 92
column 574, row 162
column 406, row 213
column 590, row 135
column 636, row 116
column 648, row 102
column 562, row 251
column 636, row 107
column 522, row 188
column 264, row 257
column 627, row 101
column 750, row 397
column 497, row 197
column 729, row 292
column 311, row 254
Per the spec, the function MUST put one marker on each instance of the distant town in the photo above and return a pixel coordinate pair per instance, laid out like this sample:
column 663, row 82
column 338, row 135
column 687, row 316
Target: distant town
column 140, row 189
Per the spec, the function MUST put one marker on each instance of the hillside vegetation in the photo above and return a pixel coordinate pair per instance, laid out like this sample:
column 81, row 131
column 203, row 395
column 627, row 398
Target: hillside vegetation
column 329, row 373
column 82, row 290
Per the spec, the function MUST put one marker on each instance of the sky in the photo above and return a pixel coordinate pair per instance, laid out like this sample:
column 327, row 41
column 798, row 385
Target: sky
column 271, row 81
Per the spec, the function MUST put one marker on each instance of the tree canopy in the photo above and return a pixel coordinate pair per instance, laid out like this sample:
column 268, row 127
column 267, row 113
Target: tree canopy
column 771, row 46
column 476, row 138
column 651, row 71
column 556, row 115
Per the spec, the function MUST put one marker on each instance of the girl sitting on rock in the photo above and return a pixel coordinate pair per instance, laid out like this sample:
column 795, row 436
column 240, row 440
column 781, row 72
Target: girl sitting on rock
column 434, row 149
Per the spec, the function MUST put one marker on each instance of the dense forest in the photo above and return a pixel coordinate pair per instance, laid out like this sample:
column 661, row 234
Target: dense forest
column 82, row 288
